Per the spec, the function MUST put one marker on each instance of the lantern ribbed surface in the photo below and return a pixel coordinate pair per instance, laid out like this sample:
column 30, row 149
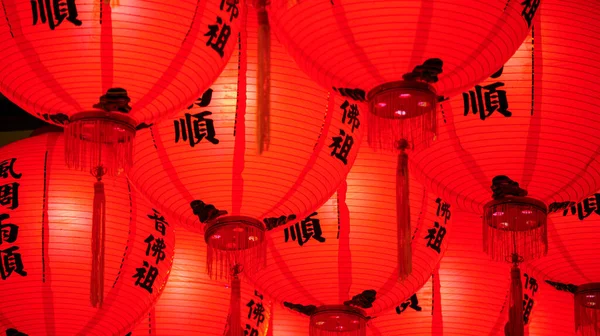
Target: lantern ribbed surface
column 60, row 57
column 358, row 45
column 346, row 251
column 192, row 304
column 46, row 246
column 533, row 120
column 218, row 156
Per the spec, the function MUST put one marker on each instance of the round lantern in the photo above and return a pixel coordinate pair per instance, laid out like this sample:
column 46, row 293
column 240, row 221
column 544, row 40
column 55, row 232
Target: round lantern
column 46, row 260
column 104, row 68
column 244, row 159
column 339, row 265
column 572, row 263
column 360, row 50
column 523, row 121
column 192, row 304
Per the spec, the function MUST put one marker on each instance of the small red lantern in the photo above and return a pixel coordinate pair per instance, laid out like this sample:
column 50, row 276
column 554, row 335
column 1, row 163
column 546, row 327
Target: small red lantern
column 192, row 304
column 339, row 265
column 80, row 64
column 46, row 261
column 401, row 55
column 216, row 169
column 525, row 121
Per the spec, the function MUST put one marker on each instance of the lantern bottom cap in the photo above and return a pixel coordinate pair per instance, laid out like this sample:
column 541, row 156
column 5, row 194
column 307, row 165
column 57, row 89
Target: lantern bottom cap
column 235, row 244
column 402, row 99
column 98, row 138
column 338, row 320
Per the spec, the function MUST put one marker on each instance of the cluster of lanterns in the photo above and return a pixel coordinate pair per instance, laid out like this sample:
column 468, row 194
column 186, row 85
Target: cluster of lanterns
column 308, row 167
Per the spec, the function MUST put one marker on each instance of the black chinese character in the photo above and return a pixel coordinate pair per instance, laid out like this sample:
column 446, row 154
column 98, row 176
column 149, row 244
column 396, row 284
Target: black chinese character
column 250, row 331
column 256, row 293
column 231, row 7
column 413, row 303
column 341, row 146
column 527, row 307
column 488, row 101
column 44, row 9
column 529, row 9
column 11, row 262
column 563, row 287
column 14, row 332
column 8, row 167
column 558, row 206
column 256, row 311
column 8, row 231
column 195, row 130
column 436, row 237
column 157, row 248
column 9, row 194
column 223, row 30
column 585, row 208
column 306, row 229
column 273, row 222
column 59, row 118
column 146, row 276
column 443, row 210
column 531, row 283
column 203, row 101
column 159, row 222
column 355, row 94
column 351, row 113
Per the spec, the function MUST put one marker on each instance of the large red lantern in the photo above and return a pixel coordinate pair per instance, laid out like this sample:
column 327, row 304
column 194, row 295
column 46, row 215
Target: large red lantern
column 193, row 304
column 339, row 265
column 46, row 261
column 216, row 165
column 82, row 63
column 524, row 121
column 401, row 55
column 572, row 264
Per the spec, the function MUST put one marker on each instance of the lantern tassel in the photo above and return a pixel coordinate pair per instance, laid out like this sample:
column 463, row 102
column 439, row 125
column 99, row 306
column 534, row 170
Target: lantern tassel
column 587, row 310
column 234, row 321
column 98, row 236
column 515, row 325
column 403, row 213
column 263, row 90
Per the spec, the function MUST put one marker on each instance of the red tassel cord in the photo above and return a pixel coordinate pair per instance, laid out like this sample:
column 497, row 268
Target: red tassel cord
column 98, row 237
column 515, row 325
column 403, row 213
column 263, row 83
column 234, row 322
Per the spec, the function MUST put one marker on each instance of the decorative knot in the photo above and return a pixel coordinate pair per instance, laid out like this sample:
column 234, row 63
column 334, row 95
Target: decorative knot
column 402, row 144
column 236, row 270
column 302, row 309
column 503, row 186
column 115, row 100
column 427, row 72
column 363, row 300
column 206, row 212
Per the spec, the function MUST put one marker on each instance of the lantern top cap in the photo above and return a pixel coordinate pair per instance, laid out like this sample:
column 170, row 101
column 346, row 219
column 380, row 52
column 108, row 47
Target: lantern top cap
column 518, row 201
column 116, row 117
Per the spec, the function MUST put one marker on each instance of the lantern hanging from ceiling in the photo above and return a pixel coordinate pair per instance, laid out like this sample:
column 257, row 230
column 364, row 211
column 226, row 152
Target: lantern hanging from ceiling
column 46, row 221
column 525, row 121
column 192, row 304
column 359, row 49
column 211, row 168
column 339, row 265
column 572, row 263
column 104, row 68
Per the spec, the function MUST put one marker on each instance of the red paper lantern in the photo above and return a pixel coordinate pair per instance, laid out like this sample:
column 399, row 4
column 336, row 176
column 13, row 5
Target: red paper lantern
column 192, row 304
column 251, row 155
column 80, row 64
column 401, row 55
column 572, row 264
column 525, row 121
column 339, row 265
column 46, row 221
